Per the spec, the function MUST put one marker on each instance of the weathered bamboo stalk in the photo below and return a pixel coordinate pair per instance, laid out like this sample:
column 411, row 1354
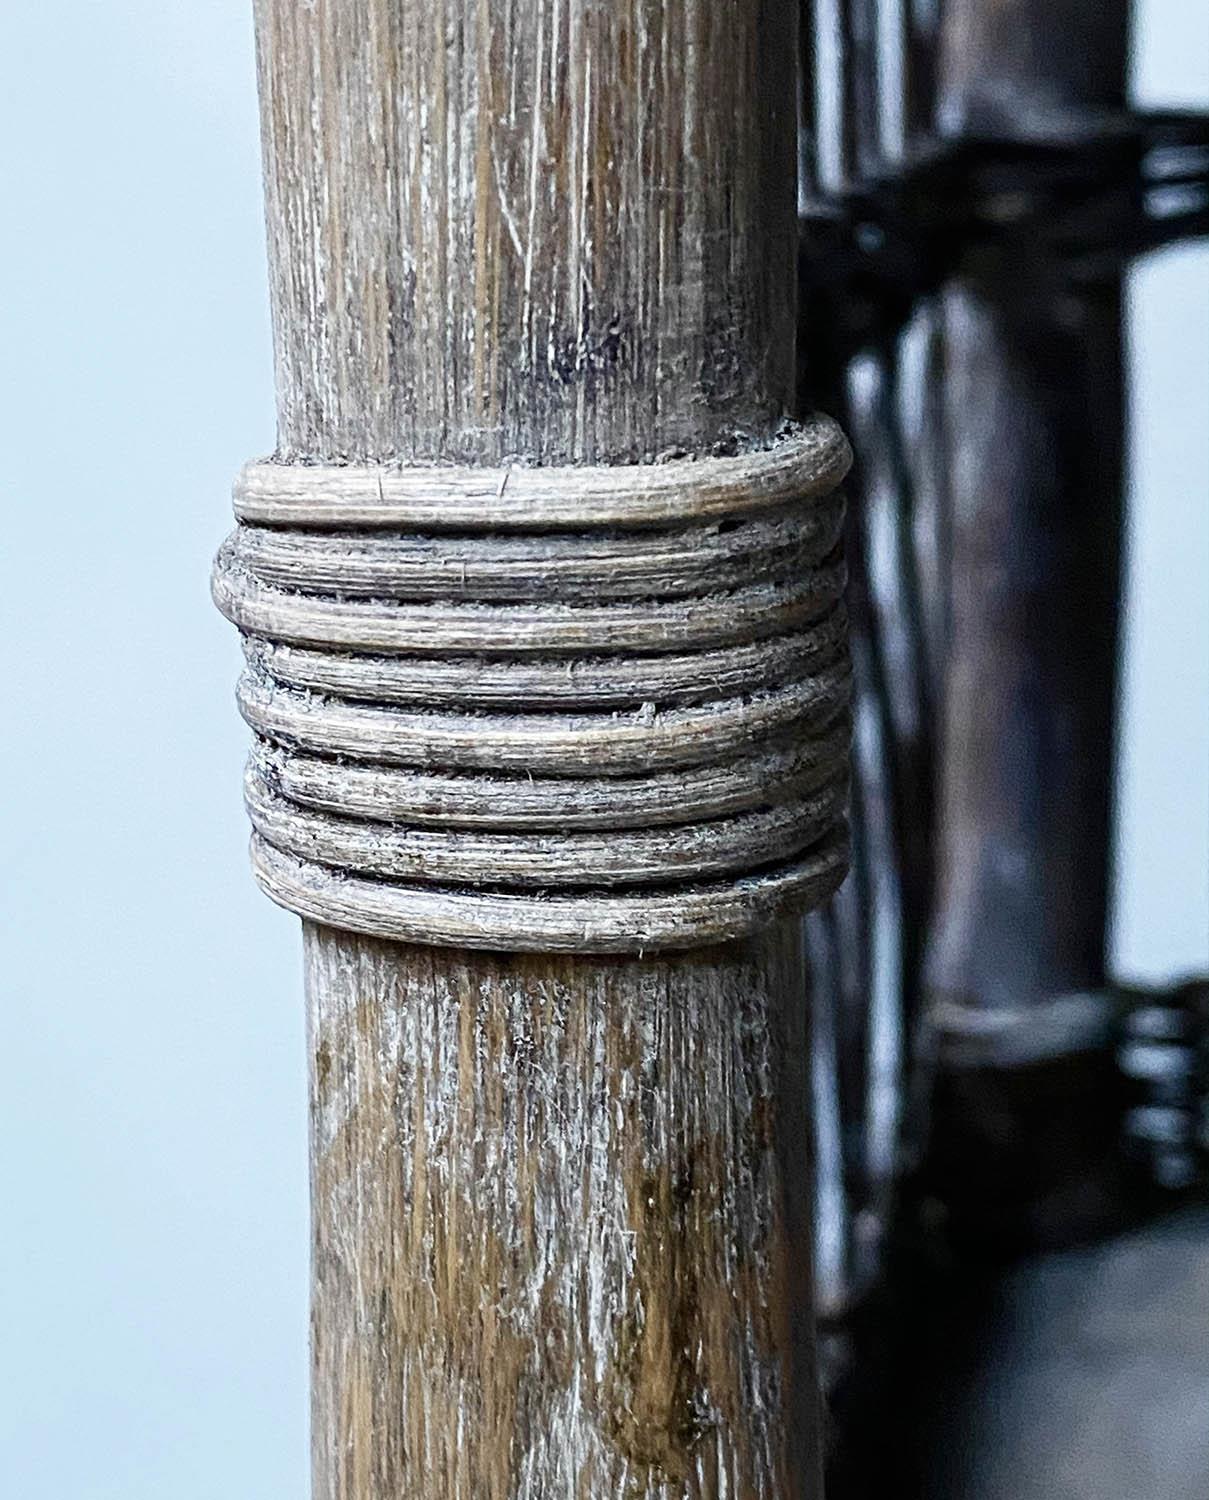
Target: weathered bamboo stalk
column 560, row 1203
column 561, row 1224
column 1036, row 413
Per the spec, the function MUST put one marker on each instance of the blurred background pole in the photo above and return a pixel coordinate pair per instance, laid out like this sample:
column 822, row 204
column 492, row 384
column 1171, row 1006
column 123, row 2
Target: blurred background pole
column 1026, row 1112
column 561, row 1205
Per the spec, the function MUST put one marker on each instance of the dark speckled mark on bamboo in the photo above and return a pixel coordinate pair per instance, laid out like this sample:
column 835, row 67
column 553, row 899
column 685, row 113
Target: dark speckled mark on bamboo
column 543, row 227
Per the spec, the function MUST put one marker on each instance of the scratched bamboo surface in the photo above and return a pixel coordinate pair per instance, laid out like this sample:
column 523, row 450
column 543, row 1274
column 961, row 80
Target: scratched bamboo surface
column 560, row 1204
column 561, row 1228
column 539, row 227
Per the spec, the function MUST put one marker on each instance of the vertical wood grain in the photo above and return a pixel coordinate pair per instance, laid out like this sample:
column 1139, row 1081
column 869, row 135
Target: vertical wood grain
column 560, row 1206
column 561, row 1224
column 545, row 228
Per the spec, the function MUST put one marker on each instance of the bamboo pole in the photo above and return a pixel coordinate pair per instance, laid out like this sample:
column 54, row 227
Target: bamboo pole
column 1028, row 1114
column 560, row 1202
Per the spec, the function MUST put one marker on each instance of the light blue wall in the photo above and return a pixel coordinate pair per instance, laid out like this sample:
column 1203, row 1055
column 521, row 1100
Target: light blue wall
column 153, row 1235
column 1162, row 890
column 1161, row 924
column 152, row 1137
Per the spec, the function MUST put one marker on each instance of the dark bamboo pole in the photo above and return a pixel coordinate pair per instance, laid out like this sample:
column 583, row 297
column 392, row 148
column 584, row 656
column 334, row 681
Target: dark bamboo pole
column 1036, row 413
column 1041, row 69
column 561, row 1204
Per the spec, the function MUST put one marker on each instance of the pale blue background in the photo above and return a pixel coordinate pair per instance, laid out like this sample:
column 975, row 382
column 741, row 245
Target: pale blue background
column 152, row 1129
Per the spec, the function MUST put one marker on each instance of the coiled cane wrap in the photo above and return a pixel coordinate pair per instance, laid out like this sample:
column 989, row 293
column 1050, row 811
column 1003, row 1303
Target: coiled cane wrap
column 566, row 709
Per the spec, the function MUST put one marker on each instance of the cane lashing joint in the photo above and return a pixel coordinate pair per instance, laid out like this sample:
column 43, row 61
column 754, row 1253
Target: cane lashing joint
column 572, row 709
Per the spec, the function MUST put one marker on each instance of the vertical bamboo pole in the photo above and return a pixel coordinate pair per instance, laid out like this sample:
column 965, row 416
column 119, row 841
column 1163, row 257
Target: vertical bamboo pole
column 1034, row 374
column 560, row 1204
